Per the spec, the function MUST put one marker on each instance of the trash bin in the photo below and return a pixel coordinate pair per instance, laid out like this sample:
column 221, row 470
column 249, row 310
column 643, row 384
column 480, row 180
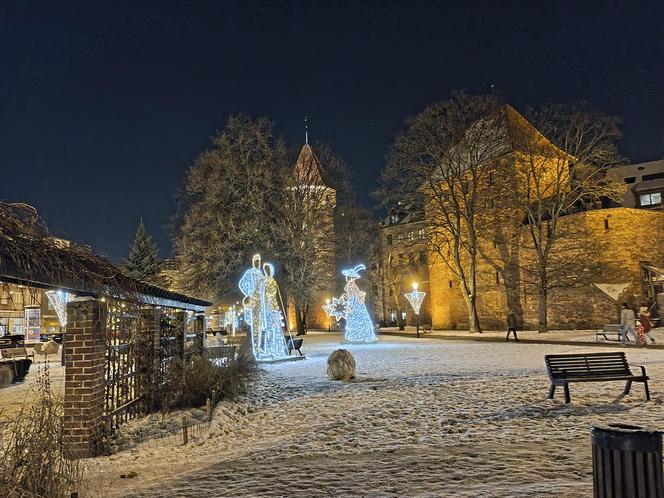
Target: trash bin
column 627, row 461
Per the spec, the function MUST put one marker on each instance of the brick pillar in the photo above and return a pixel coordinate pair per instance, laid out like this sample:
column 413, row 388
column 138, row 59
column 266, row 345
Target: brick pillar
column 148, row 358
column 83, row 424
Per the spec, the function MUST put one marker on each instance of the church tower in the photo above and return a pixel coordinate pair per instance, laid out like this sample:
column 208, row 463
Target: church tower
column 308, row 176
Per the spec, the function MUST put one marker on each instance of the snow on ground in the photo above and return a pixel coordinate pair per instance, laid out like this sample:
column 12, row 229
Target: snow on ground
column 425, row 417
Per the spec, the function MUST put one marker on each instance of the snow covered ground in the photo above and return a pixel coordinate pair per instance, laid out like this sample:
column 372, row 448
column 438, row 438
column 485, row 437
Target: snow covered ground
column 425, row 417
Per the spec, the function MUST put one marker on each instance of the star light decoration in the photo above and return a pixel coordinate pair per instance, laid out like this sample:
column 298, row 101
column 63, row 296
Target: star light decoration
column 336, row 309
column 415, row 299
column 59, row 300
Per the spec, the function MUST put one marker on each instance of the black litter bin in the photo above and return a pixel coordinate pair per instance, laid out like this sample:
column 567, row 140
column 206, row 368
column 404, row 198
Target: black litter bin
column 627, row 461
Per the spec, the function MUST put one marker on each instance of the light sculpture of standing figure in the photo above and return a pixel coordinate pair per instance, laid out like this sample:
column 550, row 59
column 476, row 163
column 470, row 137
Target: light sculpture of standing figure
column 252, row 285
column 274, row 342
column 351, row 306
column 262, row 312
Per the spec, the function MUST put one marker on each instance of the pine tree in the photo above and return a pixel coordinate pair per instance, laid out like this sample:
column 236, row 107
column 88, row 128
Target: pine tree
column 143, row 262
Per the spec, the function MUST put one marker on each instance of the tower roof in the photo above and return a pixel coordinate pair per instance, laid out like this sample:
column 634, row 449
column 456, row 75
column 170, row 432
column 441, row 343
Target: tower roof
column 308, row 169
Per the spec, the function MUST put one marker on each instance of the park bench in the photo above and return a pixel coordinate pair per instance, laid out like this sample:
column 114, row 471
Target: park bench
column 426, row 328
column 609, row 329
column 294, row 344
column 9, row 353
column 223, row 354
column 591, row 367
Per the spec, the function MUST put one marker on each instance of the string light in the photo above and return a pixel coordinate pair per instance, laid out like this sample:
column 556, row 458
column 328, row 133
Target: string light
column 59, row 300
column 351, row 307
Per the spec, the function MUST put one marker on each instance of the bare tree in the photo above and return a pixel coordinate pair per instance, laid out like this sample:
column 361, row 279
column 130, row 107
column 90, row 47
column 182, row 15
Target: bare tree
column 438, row 162
column 561, row 170
column 228, row 201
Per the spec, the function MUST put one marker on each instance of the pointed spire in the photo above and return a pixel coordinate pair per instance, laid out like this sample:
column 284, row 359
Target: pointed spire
column 308, row 169
column 306, row 131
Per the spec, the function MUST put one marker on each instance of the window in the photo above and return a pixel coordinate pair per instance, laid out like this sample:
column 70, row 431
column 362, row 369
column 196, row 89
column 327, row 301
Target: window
column 497, row 277
column 630, row 179
column 389, row 240
column 653, row 176
column 400, row 237
column 400, row 258
column 423, row 257
column 403, row 314
column 393, row 315
column 373, row 266
column 450, row 284
column 411, row 236
column 394, row 218
column 650, row 199
column 606, row 223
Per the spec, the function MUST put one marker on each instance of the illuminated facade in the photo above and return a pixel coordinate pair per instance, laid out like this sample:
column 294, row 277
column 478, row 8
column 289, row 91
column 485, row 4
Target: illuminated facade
column 401, row 260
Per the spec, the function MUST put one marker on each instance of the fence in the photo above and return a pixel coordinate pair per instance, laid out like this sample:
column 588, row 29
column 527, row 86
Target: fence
column 118, row 355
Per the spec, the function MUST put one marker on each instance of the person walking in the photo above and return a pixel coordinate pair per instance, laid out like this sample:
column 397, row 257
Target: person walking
column 511, row 326
column 646, row 323
column 627, row 323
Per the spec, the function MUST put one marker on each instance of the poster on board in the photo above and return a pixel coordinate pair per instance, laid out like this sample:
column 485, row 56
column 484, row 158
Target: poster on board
column 32, row 324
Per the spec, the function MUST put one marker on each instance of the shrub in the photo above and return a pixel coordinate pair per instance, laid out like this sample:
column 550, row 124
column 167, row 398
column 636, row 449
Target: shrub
column 32, row 461
column 190, row 382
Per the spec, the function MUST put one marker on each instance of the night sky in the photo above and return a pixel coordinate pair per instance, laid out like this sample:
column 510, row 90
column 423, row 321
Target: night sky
column 103, row 105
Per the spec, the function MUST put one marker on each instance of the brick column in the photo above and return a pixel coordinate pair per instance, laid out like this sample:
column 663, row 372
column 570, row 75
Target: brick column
column 83, row 424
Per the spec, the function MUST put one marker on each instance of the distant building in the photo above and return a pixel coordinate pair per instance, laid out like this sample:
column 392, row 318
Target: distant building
column 402, row 260
column 616, row 251
column 308, row 173
column 646, row 184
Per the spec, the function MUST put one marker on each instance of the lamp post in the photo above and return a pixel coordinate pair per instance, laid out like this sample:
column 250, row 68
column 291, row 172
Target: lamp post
column 415, row 299
column 329, row 319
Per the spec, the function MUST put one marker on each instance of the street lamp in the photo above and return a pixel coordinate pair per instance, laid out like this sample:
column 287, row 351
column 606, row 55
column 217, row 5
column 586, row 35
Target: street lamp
column 329, row 319
column 415, row 299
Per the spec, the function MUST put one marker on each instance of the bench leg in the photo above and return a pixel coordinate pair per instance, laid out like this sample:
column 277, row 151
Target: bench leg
column 552, row 391
column 300, row 352
column 566, row 391
column 645, row 384
column 628, row 387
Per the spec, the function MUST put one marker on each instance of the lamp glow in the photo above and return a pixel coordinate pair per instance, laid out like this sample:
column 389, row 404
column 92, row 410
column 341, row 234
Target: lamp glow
column 415, row 299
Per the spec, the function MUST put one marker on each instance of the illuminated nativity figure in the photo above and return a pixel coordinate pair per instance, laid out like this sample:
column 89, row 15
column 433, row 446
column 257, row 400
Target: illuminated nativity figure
column 261, row 311
column 359, row 327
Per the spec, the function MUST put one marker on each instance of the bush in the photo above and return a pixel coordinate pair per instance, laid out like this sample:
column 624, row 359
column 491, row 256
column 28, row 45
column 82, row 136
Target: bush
column 190, row 382
column 32, row 461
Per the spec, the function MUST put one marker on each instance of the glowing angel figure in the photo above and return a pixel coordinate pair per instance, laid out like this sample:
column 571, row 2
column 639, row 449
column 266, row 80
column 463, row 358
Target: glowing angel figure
column 252, row 285
column 274, row 343
column 359, row 327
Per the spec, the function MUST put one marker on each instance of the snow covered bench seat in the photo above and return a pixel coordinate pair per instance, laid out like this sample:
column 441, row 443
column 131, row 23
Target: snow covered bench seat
column 591, row 367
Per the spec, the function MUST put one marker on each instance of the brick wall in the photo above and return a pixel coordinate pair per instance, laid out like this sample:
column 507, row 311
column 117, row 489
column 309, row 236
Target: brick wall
column 83, row 425
column 614, row 242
